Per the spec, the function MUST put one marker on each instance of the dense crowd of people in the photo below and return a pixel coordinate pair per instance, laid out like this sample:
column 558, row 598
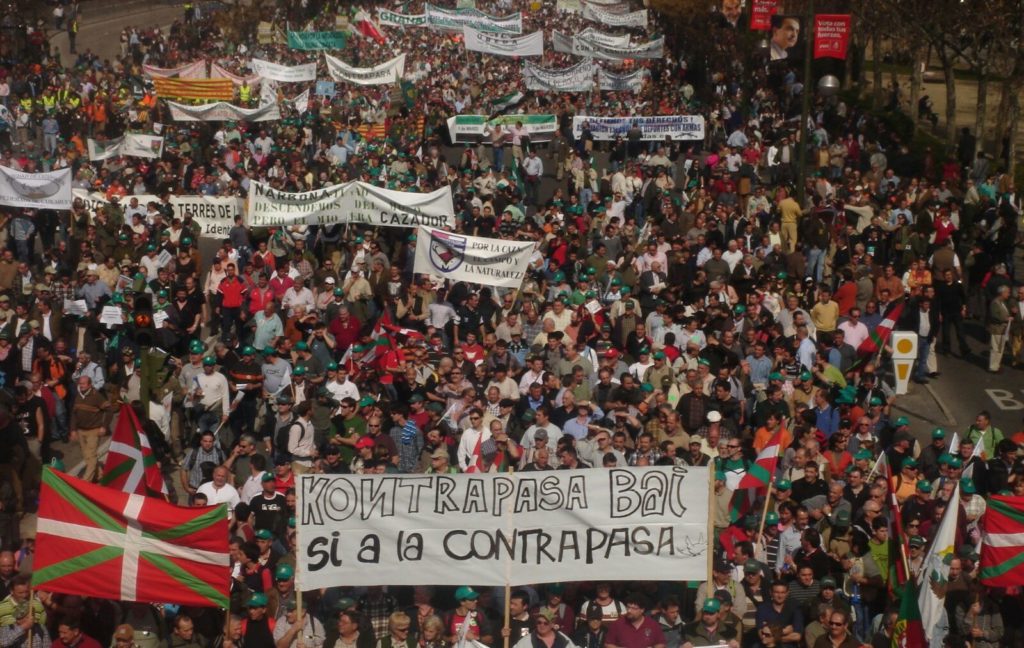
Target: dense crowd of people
column 682, row 308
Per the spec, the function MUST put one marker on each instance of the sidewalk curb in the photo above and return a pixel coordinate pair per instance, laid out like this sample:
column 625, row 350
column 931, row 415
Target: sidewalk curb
column 951, row 420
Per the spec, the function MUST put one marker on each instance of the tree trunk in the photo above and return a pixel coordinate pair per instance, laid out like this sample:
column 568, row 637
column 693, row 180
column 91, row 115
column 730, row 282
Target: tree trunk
column 948, row 73
column 878, row 94
column 980, row 126
column 916, row 80
column 1014, row 125
column 1002, row 112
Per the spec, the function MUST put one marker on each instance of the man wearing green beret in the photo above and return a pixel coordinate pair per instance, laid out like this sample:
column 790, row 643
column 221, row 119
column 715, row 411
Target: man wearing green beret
column 928, row 460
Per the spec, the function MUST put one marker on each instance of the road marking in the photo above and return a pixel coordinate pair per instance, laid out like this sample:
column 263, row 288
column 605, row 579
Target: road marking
column 1005, row 399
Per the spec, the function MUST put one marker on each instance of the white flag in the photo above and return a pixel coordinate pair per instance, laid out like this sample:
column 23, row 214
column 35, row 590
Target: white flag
column 935, row 575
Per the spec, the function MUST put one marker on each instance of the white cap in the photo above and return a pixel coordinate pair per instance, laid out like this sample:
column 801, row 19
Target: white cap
column 714, row 416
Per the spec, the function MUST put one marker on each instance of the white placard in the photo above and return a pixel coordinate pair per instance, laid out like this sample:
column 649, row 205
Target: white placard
column 351, row 202
column 635, row 524
column 583, row 46
column 631, row 82
column 283, row 73
column 223, row 111
column 653, row 129
column 76, row 307
column 501, row 44
column 632, row 19
column 130, row 144
column 193, row 70
column 383, row 74
column 492, row 262
column 159, row 317
column 578, row 78
column 111, row 316
column 51, row 190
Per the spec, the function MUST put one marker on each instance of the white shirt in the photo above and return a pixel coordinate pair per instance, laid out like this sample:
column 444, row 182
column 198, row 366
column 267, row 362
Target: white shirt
column 226, row 494
column 215, row 387
column 855, row 333
column 343, row 390
column 467, row 446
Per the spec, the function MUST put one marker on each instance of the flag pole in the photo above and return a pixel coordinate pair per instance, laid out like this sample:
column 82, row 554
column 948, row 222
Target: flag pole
column 711, row 519
column 767, row 500
column 508, row 586
column 31, row 614
column 298, row 591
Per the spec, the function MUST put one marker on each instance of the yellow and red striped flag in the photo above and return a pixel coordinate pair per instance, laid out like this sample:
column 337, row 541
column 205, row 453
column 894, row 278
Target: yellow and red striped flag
column 221, row 89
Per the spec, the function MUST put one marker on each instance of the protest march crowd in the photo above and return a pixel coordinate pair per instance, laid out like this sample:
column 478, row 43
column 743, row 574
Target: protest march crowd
column 683, row 303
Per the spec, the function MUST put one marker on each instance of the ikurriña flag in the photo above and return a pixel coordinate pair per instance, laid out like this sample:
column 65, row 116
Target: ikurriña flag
column 98, row 541
column 131, row 465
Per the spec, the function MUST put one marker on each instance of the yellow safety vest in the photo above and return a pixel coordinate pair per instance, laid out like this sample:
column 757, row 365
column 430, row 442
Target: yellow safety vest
column 49, row 102
column 245, row 93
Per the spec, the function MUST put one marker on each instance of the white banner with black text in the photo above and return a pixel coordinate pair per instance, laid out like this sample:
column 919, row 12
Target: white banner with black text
column 492, row 529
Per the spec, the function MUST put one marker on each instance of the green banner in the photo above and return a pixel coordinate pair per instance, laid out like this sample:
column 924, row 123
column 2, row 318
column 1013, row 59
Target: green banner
column 316, row 40
column 470, row 128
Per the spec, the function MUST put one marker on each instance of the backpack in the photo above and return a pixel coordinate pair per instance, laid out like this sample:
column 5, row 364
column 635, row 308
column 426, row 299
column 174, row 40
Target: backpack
column 281, row 442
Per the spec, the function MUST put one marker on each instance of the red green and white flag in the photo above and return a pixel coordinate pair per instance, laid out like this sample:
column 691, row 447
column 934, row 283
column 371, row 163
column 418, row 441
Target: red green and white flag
column 131, row 466
column 761, row 473
column 908, row 631
column 1002, row 542
column 97, row 541
column 880, row 336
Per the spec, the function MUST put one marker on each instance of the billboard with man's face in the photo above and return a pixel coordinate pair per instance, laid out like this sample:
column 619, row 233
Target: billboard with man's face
column 786, row 35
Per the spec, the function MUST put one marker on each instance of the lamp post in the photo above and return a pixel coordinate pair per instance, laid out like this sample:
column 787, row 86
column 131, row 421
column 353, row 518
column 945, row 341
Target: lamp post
column 12, row 32
column 805, row 107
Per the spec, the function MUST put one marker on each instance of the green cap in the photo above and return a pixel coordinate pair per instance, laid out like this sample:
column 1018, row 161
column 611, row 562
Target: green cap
column 956, row 462
column 647, row 388
column 828, row 583
column 338, row 292
column 161, row 293
column 301, row 346
column 924, row 486
column 805, row 376
column 267, row 477
column 938, row 433
column 248, row 350
column 269, row 350
column 901, row 421
column 772, row 518
column 332, row 366
column 711, row 606
column 299, row 371
column 783, row 484
column 186, row 241
column 259, row 599
column 875, row 401
column 739, row 309
column 775, row 375
column 195, row 346
column 366, row 401
column 465, row 593
column 967, row 485
column 264, row 534
column 943, row 459
column 151, row 248
column 209, row 361
column 909, row 462
column 751, row 567
column 117, row 298
column 284, row 571
column 862, row 454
